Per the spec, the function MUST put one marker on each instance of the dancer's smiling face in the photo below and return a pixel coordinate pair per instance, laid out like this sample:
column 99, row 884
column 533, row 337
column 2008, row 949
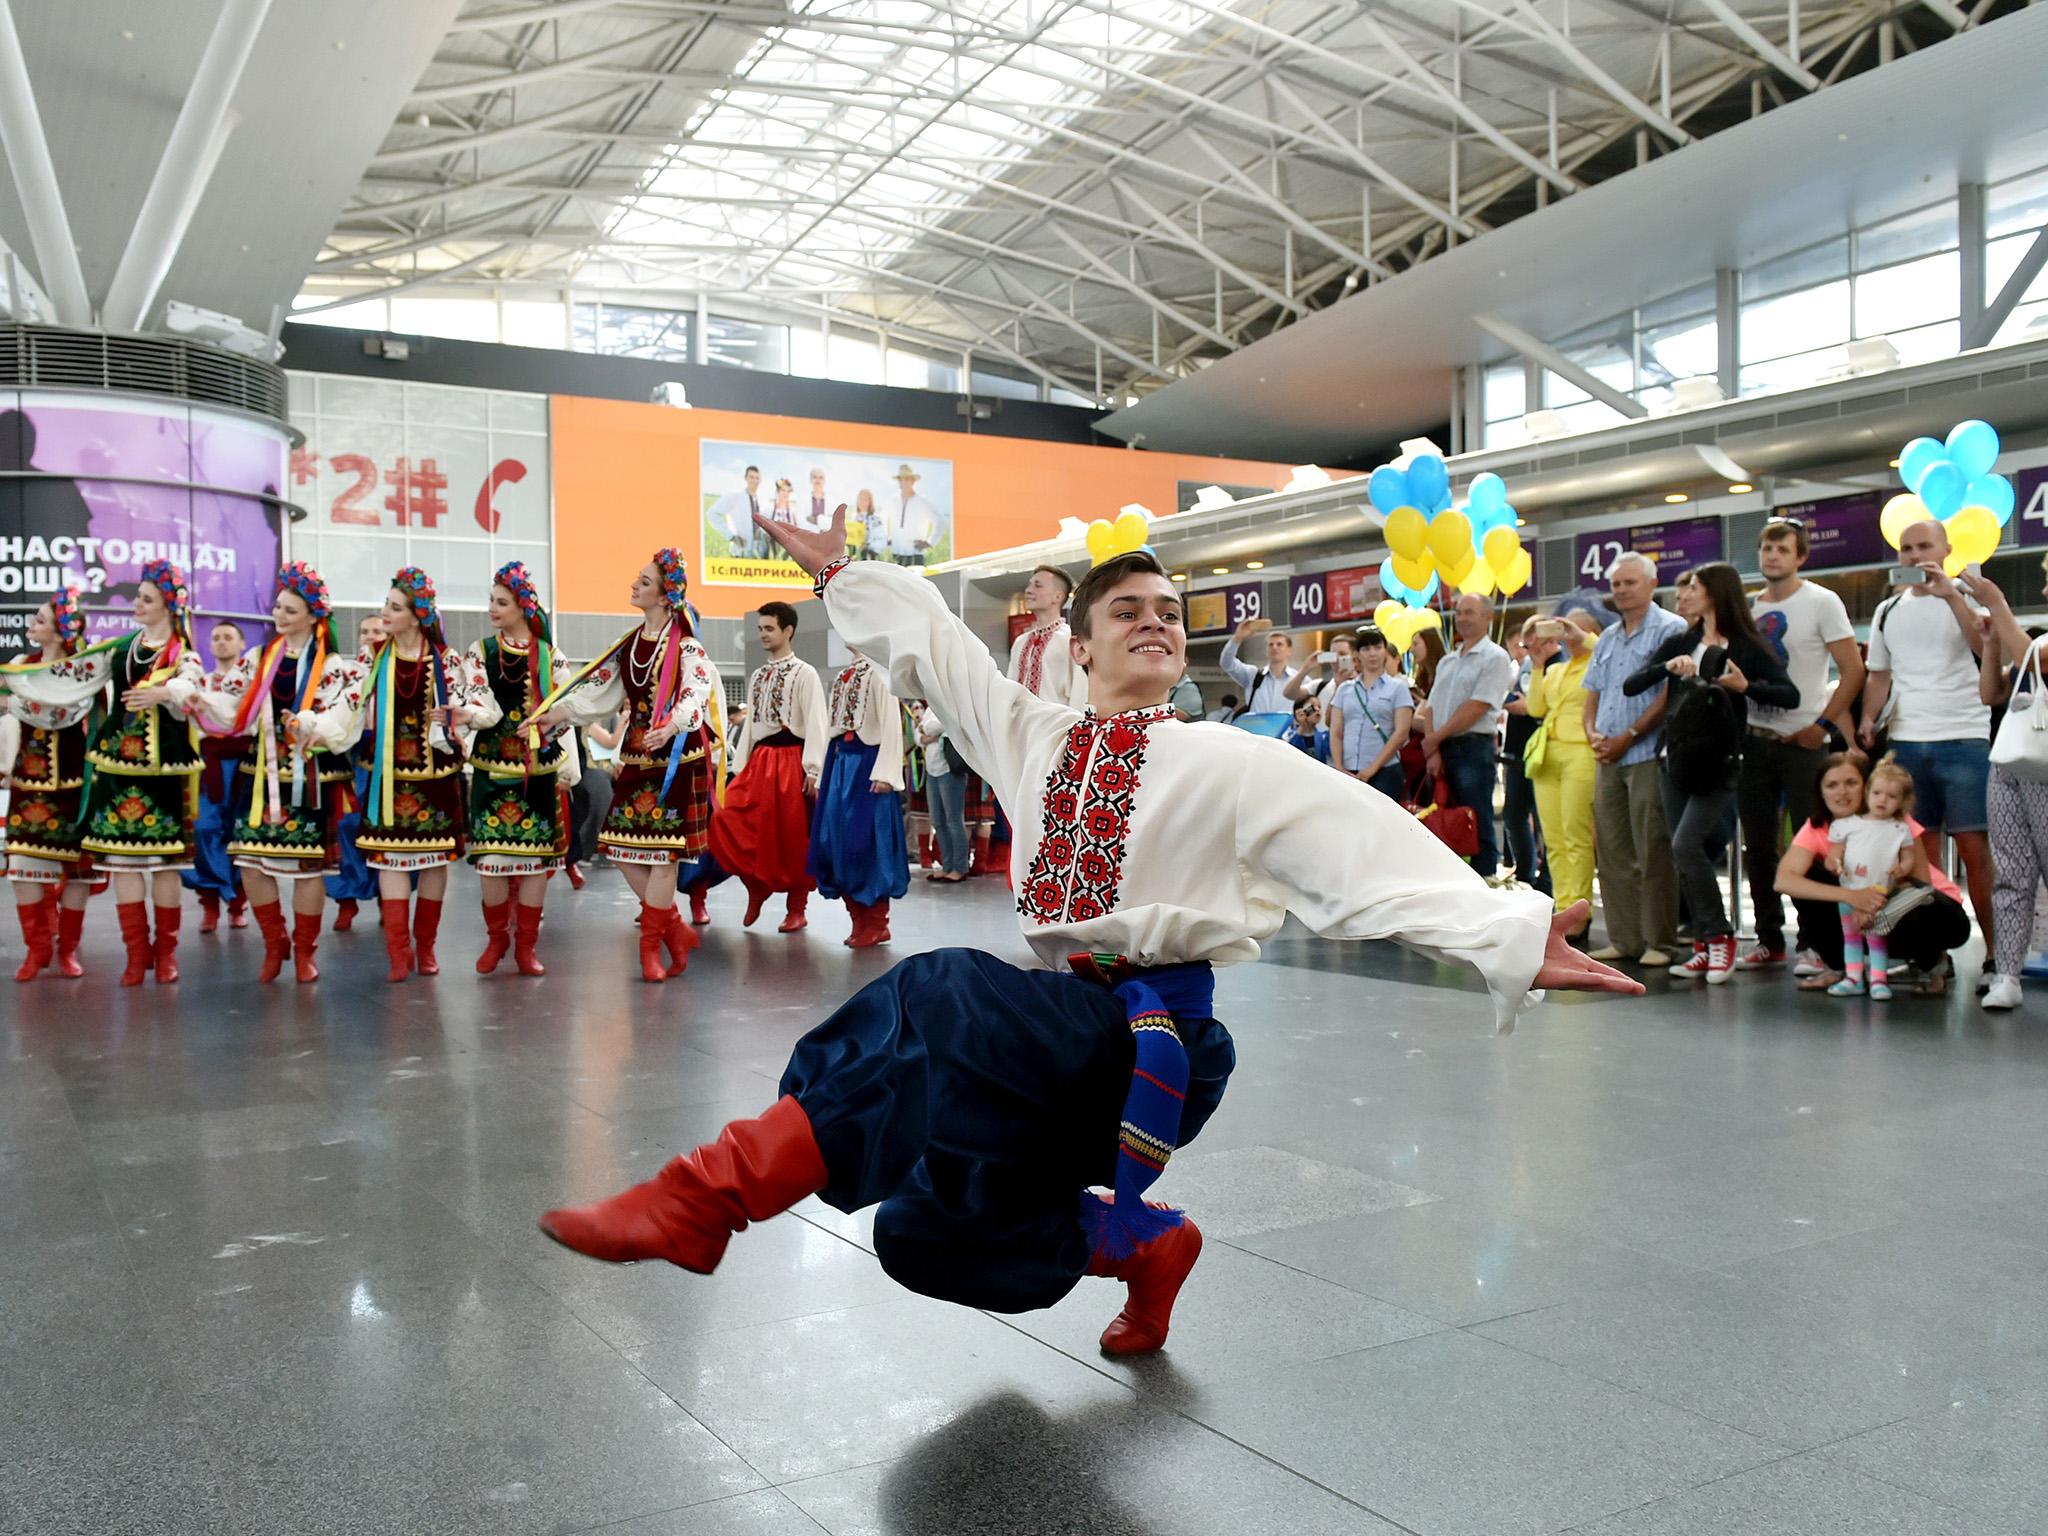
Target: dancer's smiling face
column 1135, row 645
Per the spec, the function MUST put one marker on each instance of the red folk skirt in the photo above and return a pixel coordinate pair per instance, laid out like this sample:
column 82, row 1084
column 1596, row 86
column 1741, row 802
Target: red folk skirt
column 762, row 833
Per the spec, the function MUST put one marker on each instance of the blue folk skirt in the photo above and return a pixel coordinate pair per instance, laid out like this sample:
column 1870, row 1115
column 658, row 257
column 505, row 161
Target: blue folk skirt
column 857, row 848
column 977, row 1103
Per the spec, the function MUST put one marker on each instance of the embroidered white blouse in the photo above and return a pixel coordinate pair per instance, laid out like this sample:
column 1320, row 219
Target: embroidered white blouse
column 863, row 704
column 52, row 708
column 1167, row 841
column 225, row 688
column 785, row 695
column 336, row 721
column 63, row 692
column 599, row 697
column 1043, row 662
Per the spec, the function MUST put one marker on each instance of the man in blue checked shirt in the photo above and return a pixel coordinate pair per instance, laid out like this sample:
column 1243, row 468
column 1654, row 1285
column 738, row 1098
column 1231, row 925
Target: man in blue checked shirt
column 1631, row 840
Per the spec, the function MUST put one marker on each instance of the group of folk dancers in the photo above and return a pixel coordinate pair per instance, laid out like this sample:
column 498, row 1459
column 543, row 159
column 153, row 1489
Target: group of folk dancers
column 309, row 769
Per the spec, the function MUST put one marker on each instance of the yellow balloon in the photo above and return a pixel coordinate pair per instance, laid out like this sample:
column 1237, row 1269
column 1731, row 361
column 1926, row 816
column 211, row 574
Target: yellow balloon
column 1449, row 533
column 1502, row 545
column 1973, row 533
column 1516, row 575
column 1386, row 616
column 1901, row 513
column 1455, row 571
column 1480, row 578
column 1954, row 564
column 1414, row 574
column 1100, row 537
column 1407, row 533
column 1130, row 532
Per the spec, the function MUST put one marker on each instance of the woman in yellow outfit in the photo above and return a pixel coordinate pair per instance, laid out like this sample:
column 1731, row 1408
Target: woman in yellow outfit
column 1563, row 776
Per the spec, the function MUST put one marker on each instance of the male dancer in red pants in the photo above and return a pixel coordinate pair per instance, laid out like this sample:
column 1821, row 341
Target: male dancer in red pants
column 976, row 1102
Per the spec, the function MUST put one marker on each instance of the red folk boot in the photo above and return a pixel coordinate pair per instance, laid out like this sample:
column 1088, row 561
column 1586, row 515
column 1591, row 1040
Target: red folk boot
column 70, row 925
column 397, row 914
column 757, row 898
column 688, row 1212
column 209, row 912
column 654, row 923
column 39, row 949
column 167, row 944
column 878, row 922
column 527, row 922
column 305, row 940
column 1155, row 1273
column 277, row 944
column 134, row 916
column 794, row 918
column 498, row 931
column 700, row 911
column 680, row 938
column 345, row 914
column 238, row 911
column 426, row 927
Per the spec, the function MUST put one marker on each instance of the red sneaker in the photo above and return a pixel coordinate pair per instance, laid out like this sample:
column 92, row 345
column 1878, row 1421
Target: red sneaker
column 1696, row 967
column 1720, row 960
column 1760, row 957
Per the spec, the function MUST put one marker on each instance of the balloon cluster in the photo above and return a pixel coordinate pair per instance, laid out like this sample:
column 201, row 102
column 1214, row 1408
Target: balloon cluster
column 1952, row 483
column 1476, row 550
column 1107, row 540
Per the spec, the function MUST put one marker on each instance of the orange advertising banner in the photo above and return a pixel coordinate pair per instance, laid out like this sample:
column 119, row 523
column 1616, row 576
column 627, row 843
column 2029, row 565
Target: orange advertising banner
column 629, row 480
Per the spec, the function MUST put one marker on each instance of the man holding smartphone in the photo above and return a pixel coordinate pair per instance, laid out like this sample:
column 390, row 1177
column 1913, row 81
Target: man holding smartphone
column 1924, row 643
column 1807, row 626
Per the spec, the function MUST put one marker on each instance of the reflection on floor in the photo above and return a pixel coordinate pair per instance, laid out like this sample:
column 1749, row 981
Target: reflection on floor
column 1716, row 1261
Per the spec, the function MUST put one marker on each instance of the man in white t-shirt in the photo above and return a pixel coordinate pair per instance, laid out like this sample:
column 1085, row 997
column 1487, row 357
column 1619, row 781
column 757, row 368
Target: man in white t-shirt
column 1808, row 627
column 1924, row 645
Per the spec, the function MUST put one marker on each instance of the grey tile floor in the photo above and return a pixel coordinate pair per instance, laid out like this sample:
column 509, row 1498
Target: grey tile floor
column 1729, row 1261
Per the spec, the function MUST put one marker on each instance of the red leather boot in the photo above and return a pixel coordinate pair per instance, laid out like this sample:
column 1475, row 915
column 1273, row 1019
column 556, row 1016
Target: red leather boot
column 277, row 944
column 575, row 876
column 1155, row 1273
column 700, row 911
column 426, row 927
column 654, row 923
column 858, row 937
column 498, row 928
column 688, row 1212
column 238, row 911
column 70, row 925
column 527, row 921
column 209, row 912
column 680, row 938
column 757, row 898
column 39, row 949
column 167, row 943
column 794, row 918
column 305, row 940
column 397, row 913
column 344, row 914
column 134, row 916
column 878, row 922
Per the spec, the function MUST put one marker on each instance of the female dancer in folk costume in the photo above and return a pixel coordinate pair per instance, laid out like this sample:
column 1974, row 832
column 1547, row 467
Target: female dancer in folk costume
column 977, row 1102
column 143, row 761
column 857, row 849
column 518, row 817
column 52, row 876
column 213, row 876
column 284, row 811
column 413, row 706
column 662, row 792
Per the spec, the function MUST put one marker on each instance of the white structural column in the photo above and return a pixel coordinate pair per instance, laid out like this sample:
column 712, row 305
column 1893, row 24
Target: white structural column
column 28, row 157
column 188, row 160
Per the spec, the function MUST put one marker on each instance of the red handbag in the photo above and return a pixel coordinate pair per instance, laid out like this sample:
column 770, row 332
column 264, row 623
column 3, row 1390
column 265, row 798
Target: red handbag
column 1456, row 826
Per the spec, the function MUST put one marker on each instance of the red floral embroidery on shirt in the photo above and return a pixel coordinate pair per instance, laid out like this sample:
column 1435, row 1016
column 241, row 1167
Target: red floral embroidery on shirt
column 1031, row 660
column 769, row 697
column 1087, row 811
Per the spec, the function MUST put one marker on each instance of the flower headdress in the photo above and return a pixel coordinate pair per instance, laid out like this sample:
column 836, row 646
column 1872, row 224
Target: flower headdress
column 418, row 588
column 675, row 585
column 302, row 579
column 514, row 577
column 68, row 617
column 170, row 581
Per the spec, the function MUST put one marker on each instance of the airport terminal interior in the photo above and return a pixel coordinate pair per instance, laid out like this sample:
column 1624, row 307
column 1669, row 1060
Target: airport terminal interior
column 1048, row 767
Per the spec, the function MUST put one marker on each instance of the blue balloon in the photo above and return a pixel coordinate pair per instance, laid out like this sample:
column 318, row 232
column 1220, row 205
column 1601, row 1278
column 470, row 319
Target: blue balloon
column 1973, row 448
column 1389, row 582
column 1993, row 491
column 1487, row 490
column 1388, row 488
column 1941, row 488
column 1428, row 480
column 1421, row 599
column 1916, row 458
column 1443, row 502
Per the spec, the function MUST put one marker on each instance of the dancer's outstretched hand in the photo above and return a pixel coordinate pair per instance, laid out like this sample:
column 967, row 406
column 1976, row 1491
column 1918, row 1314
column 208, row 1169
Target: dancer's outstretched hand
column 812, row 551
column 1571, row 971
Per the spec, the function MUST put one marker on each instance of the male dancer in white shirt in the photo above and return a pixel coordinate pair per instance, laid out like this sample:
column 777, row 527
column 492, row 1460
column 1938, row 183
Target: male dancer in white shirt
column 857, row 852
column 1042, row 657
column 977, row 1103
column 761, row 835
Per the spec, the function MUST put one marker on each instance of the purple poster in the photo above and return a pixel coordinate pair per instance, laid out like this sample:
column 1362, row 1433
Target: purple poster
column 1676, row 547
column 2030, row 498
column 1842, row 531
column 92, row 489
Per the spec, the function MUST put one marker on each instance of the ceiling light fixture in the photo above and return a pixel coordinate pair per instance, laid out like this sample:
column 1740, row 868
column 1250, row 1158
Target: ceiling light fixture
column 1675, row 498
column 1740, row 488
column 1180, row 575
column 1219, row 570
column 1255, row 565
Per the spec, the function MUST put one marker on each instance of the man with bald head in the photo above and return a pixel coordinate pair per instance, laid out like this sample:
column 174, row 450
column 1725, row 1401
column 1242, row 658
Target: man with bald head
column 1922, row 694
column 1472, row 684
